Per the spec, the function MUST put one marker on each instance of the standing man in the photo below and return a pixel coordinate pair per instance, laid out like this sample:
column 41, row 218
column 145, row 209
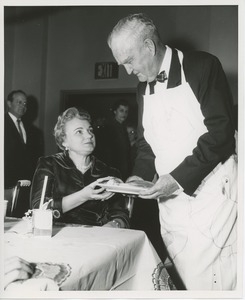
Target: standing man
column 17, row 146
column 186, row 136
column 119, row 142
column 113, row 143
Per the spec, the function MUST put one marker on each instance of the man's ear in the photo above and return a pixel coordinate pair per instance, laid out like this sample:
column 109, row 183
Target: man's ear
column 150, row 46
column 9, row 103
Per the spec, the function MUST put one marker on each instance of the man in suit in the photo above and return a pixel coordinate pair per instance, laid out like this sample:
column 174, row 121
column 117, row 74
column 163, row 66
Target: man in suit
column 185, row 136
column 18, row 164
column 118, row 144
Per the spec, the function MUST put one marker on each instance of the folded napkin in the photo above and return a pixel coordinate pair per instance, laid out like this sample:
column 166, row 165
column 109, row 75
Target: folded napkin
column 22, row 227
column 57, row 272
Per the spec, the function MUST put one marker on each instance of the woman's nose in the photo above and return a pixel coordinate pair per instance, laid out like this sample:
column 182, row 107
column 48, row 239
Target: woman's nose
column 89, row 134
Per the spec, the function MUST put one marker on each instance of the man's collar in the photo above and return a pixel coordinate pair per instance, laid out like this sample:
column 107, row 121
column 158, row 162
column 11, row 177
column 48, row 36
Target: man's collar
column 174, row 73
column 166, row 60
column 172, row 67
column 13, row 117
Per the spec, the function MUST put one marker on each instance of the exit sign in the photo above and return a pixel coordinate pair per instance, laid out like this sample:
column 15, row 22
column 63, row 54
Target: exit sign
column 106, row 70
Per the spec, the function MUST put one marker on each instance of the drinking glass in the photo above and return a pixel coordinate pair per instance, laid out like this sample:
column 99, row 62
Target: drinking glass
column 42, row 222
column 5, row 207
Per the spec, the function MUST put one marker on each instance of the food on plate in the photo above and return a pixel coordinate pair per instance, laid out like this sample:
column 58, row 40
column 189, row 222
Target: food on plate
column 110, row 181
column 114, row 181
column 116, row 185
column 141, row 183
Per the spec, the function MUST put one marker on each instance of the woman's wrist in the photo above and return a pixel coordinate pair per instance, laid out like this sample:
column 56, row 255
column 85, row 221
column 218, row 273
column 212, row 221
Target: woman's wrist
column 116, row 223
column 120, row 223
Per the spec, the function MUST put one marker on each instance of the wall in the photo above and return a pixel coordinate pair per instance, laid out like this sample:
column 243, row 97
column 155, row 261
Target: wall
column 49, row 49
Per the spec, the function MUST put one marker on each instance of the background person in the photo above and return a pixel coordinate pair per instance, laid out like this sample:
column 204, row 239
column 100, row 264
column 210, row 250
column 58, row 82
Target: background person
column 132, row 136
column 73, row 174
column 18, row 148
column 119, row 145
column 101, row 150
column 186, row 134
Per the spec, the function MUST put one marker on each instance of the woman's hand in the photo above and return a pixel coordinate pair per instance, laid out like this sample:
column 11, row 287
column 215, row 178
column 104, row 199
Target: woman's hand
column 90, row 192
column 16, row 268
column 94, row 192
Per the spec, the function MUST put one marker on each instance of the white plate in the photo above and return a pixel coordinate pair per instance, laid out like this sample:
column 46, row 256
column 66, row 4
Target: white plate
column 123, row 188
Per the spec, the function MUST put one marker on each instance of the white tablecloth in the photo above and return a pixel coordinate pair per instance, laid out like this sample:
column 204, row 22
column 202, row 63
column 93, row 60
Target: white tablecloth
column 87, row 258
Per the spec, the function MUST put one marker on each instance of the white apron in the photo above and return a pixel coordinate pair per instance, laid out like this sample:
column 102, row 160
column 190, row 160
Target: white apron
column 199, row 231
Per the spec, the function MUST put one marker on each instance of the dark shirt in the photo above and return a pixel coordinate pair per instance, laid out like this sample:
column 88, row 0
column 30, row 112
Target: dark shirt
column 18, row 156
column 119, row 147
column 65, row 179
column 207, row 80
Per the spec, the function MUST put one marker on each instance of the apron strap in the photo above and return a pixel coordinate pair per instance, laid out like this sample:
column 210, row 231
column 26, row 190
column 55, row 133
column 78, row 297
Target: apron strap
column 181, row 56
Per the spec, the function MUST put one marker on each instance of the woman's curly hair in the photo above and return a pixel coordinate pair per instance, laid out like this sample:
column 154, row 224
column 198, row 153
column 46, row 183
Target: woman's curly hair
column 67, row 115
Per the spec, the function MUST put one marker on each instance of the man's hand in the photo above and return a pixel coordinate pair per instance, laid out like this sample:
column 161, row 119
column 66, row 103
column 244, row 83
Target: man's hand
column 16, row 268
column 165, row 186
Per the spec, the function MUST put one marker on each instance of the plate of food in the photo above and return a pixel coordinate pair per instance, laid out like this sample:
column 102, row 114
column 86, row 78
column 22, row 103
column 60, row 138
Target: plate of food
column 133, row 188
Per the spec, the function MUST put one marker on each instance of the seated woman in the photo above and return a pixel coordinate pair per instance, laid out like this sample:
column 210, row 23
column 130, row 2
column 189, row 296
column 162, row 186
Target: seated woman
column 73, row 176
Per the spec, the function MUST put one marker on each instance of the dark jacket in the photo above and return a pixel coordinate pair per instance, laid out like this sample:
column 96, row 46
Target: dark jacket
column 119, row 147
column 65, row 179
column 18, row 163
column 207, row 79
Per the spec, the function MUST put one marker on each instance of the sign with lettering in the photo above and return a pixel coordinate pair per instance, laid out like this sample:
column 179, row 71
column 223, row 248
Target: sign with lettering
column 106, row 70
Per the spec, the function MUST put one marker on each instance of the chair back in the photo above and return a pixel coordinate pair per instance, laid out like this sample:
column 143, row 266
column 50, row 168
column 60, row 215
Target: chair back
column 12, row 195
column 130, row 205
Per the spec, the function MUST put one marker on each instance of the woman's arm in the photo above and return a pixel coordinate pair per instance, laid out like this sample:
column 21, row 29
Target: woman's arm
column 118, row 212
column 89, row 192
column 44, row 168
column 61, row 203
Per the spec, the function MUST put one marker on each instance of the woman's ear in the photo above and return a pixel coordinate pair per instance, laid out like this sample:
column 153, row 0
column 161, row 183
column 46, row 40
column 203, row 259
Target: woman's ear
column 64, row 144
column 150, row 46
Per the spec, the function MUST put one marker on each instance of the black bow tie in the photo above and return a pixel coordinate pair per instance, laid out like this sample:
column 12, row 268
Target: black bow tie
column 161, row 77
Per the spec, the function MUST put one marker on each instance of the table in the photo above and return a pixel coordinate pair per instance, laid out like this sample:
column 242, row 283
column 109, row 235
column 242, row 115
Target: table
column 86, row 258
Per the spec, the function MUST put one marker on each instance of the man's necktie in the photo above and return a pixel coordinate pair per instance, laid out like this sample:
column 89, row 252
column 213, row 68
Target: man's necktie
column 20, row 131
column 161, row 77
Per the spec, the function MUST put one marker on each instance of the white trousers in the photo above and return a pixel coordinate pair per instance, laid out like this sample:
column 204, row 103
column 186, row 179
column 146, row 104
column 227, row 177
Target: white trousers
column 200, row 232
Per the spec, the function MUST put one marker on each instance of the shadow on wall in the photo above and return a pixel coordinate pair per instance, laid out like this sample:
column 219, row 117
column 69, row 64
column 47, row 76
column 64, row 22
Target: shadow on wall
column 182, row 44
column 31, row 13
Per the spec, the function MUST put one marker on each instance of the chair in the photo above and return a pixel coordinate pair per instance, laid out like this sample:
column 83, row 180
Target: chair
column 130, row 204
column 13, row 196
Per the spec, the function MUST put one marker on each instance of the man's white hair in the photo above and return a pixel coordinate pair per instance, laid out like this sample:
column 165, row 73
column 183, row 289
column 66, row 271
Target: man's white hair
column 136, row 27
